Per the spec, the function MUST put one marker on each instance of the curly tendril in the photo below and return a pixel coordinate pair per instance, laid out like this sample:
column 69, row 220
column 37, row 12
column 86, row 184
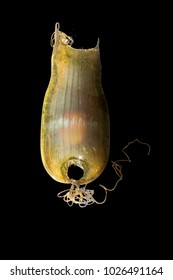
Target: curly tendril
column 82, row 196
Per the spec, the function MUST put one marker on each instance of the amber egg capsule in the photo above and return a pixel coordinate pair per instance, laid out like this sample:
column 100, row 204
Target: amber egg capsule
column 75, row 128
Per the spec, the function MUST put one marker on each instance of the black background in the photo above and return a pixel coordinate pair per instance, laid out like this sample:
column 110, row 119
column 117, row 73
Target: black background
column 135, row 221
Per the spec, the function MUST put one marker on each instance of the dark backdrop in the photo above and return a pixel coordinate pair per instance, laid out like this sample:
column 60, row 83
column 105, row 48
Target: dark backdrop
column 135, row 221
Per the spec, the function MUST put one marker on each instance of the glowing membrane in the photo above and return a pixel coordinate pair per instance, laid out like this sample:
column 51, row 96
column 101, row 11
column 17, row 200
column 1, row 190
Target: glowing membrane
column 75, row 120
